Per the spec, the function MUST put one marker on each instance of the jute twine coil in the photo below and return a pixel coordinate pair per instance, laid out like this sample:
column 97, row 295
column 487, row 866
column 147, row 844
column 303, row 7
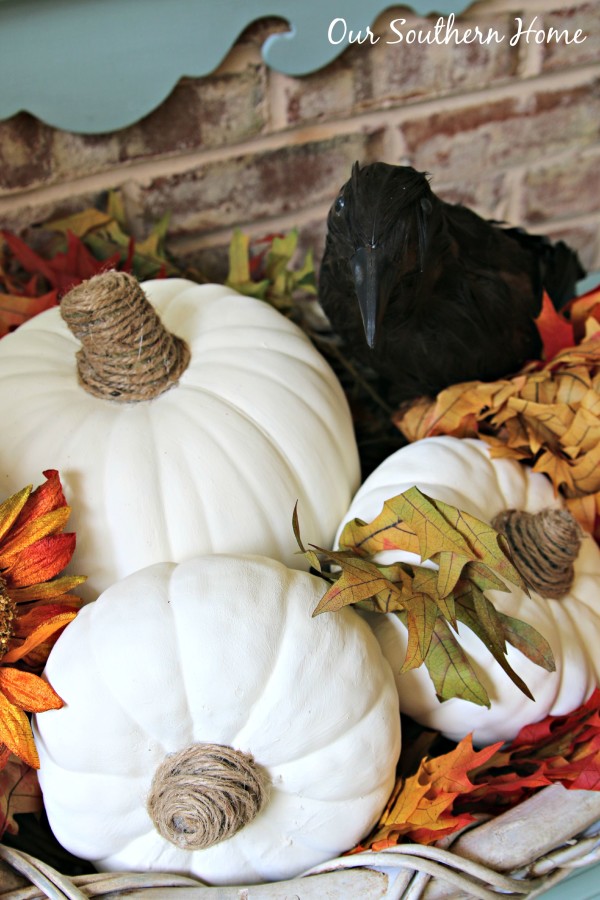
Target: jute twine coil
column 127, row 354
column 544, row 545
column 204, row 794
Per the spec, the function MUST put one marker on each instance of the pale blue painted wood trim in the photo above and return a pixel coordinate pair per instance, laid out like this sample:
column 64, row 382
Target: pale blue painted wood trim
column 93, row 66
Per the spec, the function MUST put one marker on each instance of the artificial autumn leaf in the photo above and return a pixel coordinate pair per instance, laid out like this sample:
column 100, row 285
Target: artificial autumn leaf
column 421, row 807
column 239, row 268
column 80, row 223
column 269, row 274
column 75, row 248
column 470, row 558
column 65, row 269
column 558, row 750
column 19, row 793
column 16, row 309
column 33, row 551
column 452, row 789
column 555, row 331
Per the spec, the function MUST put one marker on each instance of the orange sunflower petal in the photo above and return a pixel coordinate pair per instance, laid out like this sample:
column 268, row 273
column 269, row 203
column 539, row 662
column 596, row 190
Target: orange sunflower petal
column 46, row 498
column 34, row 530
column 38, row 636
column 15, row 732
column 41, row 561
column 29, row 692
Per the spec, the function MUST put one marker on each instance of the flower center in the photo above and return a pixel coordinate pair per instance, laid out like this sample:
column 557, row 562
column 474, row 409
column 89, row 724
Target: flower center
column 8, row 614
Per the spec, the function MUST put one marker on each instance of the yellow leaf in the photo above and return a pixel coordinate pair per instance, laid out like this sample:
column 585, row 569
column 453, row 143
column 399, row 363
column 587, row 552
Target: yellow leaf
column 584, row 433
column 359, row 581
column 547, row 418
column 415, row 421
column 571, row 385
column 585, row 472
column 80, row 223
column 426, row 518
column 386, row 532
column 239, row 259
column 557, row 468
column 585, row 509
column 421, row 615
column 152, row 245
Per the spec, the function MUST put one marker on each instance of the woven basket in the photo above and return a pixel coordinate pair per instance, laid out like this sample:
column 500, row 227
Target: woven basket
column 521, row 853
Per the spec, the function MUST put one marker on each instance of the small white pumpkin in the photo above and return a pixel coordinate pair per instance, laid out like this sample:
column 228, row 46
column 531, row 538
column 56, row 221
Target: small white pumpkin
column 219, row 649
column 215, row 463
column 461, row 472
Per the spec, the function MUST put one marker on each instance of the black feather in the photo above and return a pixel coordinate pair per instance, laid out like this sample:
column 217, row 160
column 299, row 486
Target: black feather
column 442, row 294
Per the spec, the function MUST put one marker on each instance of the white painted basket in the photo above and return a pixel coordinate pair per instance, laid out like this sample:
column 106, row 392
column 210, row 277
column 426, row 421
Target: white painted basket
column 521, row 853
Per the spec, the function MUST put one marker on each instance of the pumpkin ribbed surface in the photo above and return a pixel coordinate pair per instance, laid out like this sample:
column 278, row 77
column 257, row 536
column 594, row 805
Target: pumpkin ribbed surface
column 257, row 421
column 224, row 650
column 462, row 473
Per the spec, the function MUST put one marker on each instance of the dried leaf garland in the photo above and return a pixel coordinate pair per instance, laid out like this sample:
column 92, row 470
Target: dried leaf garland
column 421, row 807
column 547, row 415
column 470, row 557
column 453, row 789
column 76, row 248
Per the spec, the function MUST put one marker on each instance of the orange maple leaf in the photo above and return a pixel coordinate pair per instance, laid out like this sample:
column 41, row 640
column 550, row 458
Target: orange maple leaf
column 35, row 606
column 421, row 806
column 555, row 330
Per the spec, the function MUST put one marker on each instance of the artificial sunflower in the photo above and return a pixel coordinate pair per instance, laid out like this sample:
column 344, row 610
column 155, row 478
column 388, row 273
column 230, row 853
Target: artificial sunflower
column 35, row 605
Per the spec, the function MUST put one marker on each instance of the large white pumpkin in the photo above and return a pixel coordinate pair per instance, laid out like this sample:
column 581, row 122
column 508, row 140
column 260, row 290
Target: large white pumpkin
column 462, row 473
column 218, row 649
column 216, row 463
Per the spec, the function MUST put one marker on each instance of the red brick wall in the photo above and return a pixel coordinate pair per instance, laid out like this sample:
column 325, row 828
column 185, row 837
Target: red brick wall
column 513, row 131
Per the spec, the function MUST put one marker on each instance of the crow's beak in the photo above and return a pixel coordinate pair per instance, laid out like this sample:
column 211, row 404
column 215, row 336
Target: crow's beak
column 370, row 271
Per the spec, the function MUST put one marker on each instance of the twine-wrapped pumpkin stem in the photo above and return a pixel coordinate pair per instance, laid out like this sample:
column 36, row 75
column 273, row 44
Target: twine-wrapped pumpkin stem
column 127, row 354
column 205, row 794
column 544, row 545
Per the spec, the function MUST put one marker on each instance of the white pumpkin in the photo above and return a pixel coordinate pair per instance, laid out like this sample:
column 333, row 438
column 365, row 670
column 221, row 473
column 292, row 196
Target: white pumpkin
column 216, row 463
column 462, row 473
column 219, row 649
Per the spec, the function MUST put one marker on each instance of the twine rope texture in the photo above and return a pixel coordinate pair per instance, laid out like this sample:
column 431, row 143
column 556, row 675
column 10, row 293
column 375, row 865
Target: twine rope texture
column 545, row 546
column 127, row 354
column 204, row 794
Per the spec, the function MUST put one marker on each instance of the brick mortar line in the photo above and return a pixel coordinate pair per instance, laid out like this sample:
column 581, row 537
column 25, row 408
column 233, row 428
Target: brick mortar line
column 184, row 244
column 146, row 170
column 187, row 243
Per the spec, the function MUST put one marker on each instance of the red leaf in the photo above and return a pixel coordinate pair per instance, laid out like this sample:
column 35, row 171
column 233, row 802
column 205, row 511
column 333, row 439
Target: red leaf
column 556, row 333
column 64, row 270
column 29, row 259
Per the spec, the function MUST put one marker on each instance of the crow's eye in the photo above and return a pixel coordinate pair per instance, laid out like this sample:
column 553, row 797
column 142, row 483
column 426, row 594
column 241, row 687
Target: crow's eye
column 339, row 204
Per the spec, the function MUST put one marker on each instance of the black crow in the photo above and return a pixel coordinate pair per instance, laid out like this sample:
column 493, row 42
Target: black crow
column 428, row 293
